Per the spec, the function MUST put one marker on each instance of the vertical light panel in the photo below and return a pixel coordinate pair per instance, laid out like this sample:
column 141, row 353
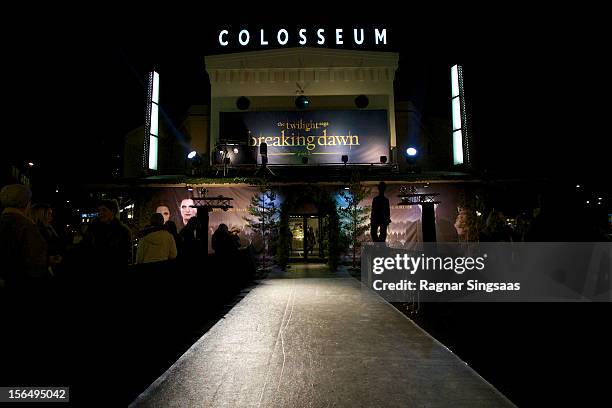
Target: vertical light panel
column 454, row 82
column 155, row 93
column 151, row 141
column 153, row 152
column 459, row 132
column 457, row 147
column 154, row 130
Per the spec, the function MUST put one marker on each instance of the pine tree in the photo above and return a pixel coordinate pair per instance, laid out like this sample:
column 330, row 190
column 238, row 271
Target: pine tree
column 354, row 218
column 264, row 220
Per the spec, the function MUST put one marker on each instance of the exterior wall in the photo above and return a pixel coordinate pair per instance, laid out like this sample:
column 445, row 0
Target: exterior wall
column 330, row 78
column 195, row 129
column 132, row 153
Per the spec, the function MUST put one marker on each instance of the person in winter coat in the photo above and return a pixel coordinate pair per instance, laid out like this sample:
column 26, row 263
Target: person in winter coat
column 157, row 244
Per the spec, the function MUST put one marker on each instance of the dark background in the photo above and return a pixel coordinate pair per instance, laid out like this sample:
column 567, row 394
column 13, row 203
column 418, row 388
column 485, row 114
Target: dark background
column 534, row 79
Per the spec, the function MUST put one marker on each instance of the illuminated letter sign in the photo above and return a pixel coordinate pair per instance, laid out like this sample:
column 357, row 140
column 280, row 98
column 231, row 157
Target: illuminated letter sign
column 282, row 37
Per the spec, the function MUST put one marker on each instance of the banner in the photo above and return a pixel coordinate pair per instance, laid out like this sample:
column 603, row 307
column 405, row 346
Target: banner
column 321, row 136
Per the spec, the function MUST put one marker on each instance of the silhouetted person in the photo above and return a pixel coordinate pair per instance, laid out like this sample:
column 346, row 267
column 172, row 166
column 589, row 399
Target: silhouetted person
column 222, row 241
column 311, row 240
column 42, row 215
column 188, row 238
column 157, row 244
column 170, row 226
column 23, row 250
column 380, row 217
column 235, row 235
column 108, row 242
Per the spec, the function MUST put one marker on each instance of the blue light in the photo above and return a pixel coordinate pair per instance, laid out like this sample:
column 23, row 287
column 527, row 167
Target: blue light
column 411, row 151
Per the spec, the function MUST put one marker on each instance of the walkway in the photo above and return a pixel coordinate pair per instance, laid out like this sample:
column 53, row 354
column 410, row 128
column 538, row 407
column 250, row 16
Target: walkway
column 309, row 338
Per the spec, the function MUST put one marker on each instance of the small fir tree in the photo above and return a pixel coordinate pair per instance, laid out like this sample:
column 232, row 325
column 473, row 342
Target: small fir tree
column 354, row 218
column 264, row 220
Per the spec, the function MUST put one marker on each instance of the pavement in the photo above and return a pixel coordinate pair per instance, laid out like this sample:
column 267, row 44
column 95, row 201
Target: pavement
column 312, row 338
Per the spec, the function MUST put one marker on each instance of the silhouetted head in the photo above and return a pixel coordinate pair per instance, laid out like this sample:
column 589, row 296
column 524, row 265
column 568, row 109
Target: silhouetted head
column 382, row 186
column 157, row 220
column 222, row 228
column 171, row 227
column 15, row 196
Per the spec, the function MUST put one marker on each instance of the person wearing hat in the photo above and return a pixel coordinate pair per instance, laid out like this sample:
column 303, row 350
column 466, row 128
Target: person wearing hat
column 23, row 250
column 108, row 242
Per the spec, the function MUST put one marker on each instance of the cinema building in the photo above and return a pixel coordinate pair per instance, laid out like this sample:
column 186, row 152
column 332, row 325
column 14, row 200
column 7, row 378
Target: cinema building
column 311, row 121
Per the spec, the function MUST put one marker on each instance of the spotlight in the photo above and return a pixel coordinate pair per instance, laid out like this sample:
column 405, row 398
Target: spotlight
column 383, row 159
column 304, row 160
column 411, row 158
column 235, row 150
column 344, row 158
column 362, row 101
column 31, row 164
column 302, row 102
column 243, row 103
column 192, row 154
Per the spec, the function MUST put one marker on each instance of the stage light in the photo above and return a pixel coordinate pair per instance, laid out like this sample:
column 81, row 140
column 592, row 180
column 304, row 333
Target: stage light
column 383, row 159
column 362, row 101
column 189, row 188
column 243, row 103
column 411, row 159
column 304, row 160
column 302, row 102
column 344, row 158
column 235, row 150
column 192, row 154
column 30, row 164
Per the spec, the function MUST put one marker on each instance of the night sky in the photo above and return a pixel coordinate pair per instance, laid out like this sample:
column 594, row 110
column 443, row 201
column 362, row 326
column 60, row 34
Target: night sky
column 533, row 81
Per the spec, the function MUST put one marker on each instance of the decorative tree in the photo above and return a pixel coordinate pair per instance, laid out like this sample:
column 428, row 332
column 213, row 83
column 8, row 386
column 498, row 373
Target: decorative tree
column 264, row 220
column 354, row 218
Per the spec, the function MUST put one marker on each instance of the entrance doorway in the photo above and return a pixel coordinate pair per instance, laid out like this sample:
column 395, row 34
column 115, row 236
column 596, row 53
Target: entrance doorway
column 306, row 240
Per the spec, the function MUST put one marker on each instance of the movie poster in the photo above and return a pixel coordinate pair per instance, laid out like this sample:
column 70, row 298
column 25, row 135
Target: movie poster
column 405, row 228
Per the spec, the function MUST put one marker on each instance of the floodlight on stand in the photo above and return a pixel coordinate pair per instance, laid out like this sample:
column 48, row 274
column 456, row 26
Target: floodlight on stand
column 383, row 159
